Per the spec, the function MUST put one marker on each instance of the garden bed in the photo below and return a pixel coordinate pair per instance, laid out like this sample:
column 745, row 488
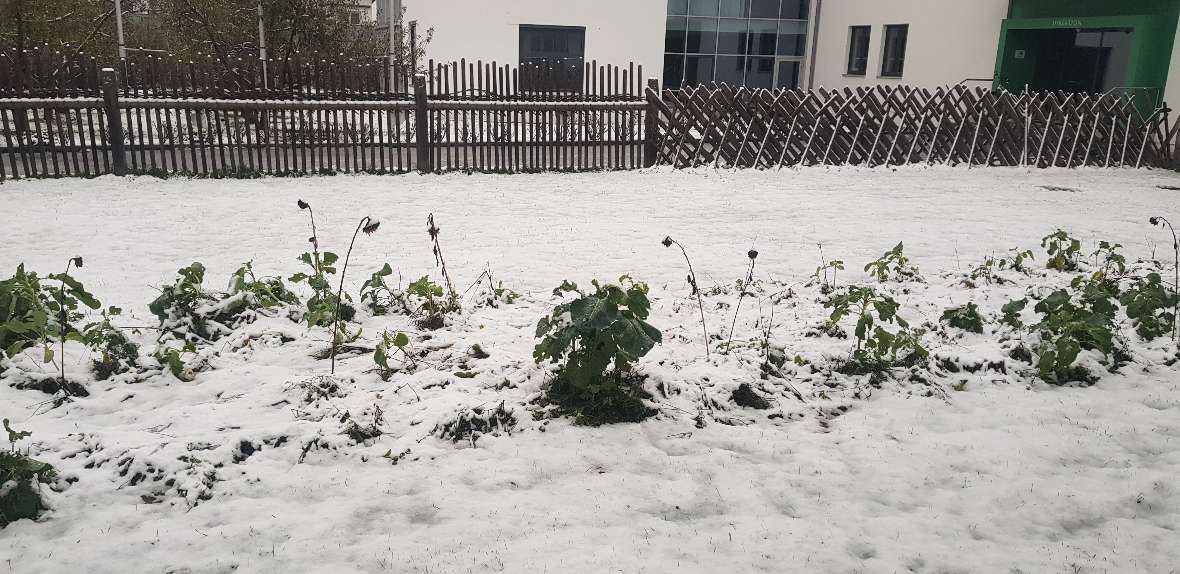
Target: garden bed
column 771, row 454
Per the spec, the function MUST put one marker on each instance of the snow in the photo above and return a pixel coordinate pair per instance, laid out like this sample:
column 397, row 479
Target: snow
column 1007, row 475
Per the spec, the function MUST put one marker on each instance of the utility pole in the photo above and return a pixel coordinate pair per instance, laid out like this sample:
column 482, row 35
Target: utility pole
column 262, row 48
column 119, row 29
column 394, row 16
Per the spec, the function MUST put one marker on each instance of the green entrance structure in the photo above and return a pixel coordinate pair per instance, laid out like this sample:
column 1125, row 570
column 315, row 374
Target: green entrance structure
column 1092, row 46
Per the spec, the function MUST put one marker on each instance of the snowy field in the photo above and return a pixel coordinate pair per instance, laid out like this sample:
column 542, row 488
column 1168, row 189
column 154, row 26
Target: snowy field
column 236, row 471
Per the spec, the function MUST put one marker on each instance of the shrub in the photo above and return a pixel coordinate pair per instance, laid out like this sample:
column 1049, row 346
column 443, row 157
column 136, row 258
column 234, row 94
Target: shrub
column 1066, row 328
column 432, row 306
column 1063, row 251
column 116, row 353
column 596, row 339
column 190, row 312
column 966, row 317
column 20, row 480
column 877, row 349
column 379, row 297
column 893, row 265
column 1151, row 306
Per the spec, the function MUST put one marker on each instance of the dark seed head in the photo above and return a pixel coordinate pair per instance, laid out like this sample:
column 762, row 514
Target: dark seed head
column 752, row 254
column 370, row 228
column 77, row 261
column 302, row 204
column 1154, row 221
column 667, row 242
column 311, row 239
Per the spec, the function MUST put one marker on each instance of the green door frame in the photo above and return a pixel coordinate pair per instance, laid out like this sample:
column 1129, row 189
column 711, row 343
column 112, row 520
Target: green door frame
column 1147, row 68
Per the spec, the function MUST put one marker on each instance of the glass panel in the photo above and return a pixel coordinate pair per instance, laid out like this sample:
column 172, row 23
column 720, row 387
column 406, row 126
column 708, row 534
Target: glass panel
column 763, row 34
column 702, row 36
column 698, row 70
column 731, row 70
column 764, row 9
column 677, row 7
column 760, row 73
column 794, row 9
column 858, row 50
column 893, row 58
column 788, row 74
column 673, row 71
column 792, row 38
column 702, row 8
column 735, row 8
column 675, row 34
column 731, row 36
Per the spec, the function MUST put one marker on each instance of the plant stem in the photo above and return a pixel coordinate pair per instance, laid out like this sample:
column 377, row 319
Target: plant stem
column 433, row 230
column 696, row 291
column 1175, row 277
column 61, row 328
column 340, row 292
column 742, row 295
column 315, row 242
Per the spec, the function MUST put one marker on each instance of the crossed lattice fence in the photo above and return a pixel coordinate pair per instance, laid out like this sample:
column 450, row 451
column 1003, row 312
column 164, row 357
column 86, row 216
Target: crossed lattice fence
column 721, row 126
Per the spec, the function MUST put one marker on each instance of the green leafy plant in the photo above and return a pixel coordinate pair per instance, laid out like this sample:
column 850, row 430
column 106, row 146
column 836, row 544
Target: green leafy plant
column 263, row 293
column 432, row 306
column 63, row 304
column 1010, row 313
column 24, row 315
column 190, row 312
column 493, row 293
column 390, row 347
column 379, row 297
column 20, row 480
column 965, row 317
column 321, row 307
column 596, row 338
column 116, row 352
column 1015, row 261
column 1067, row 327
column 172, row 358
column 1151, row 305
column 1063, row 251
column 877, row 349
column 434, row 231
column 822, row 275
column 893, row 265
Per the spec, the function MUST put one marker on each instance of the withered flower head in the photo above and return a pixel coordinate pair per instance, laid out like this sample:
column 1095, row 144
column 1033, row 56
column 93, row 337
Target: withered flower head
column 752, row 254
column 667, row 241
column 77, row 261
column 302, row 204
column 370, row 228
column 1154, row 221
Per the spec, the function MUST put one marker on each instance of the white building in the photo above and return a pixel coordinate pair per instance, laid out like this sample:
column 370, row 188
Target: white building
column 1073, row 45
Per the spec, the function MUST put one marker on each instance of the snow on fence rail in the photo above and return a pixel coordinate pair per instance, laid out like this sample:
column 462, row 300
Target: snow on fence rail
column 887, row 125
column 706, row 126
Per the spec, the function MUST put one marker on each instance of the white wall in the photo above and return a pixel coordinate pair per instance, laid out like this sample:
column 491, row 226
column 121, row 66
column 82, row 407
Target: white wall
column 617, row 31
column 949, row 40
column 1172, row 89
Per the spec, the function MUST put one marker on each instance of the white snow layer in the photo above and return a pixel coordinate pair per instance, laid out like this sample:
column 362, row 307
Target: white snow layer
column 1008, row 475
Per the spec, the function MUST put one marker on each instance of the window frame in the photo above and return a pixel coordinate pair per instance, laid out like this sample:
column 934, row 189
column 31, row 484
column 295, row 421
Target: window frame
column 868, row 40
column 885, row 59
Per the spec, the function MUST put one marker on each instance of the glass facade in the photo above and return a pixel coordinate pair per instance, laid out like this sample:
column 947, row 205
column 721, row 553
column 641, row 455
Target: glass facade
column 753, row 43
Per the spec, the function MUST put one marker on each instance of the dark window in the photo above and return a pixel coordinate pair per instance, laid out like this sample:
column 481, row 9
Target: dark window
column 702, row 8
column 673, row 71
column 698, row 70
column 702, row 36
column 677, row 7
column 731, row 70
column 763, row 34
column 735, row 8
column 792, row 38
column 731, row 36
column 893, row 58
column 760, row 73
column 675, row 34
column 794, row 9
column 858, row 50
column 560, row 49
column 764, row 9
column 788, row 74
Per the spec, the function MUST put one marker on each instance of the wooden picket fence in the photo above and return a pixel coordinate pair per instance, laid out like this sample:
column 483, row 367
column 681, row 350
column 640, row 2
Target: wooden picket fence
column 64, row 72
column 885, row 125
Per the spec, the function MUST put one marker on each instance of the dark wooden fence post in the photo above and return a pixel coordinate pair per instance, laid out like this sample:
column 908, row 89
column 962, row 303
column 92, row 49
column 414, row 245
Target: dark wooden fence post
column 422, row 125
column 651, row 123
column 110, row 97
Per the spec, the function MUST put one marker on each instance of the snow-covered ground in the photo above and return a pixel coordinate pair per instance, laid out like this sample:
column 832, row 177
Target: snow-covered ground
column 237, row 472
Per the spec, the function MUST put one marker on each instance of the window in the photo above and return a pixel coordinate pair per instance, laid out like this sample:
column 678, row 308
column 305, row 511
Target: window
column 555, row 47
column 893, row 59
column 738, row 42
column 858, row 50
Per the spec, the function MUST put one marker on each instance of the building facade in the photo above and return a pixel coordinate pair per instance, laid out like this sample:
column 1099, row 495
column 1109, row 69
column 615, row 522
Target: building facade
column 1069, row 45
